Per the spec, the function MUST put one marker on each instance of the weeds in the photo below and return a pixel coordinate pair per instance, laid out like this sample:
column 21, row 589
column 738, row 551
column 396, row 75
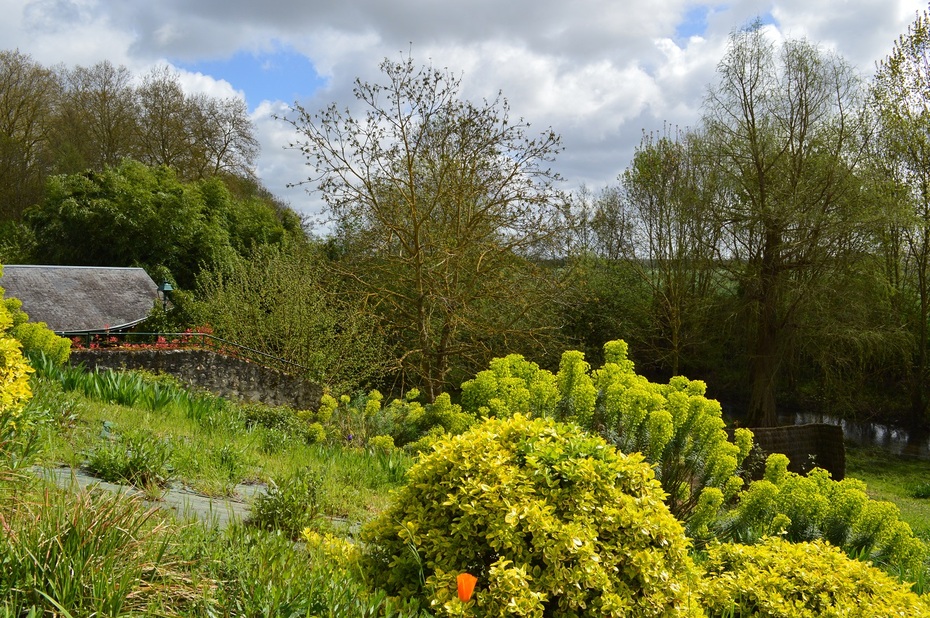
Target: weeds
column 87, row 553
column 291, row 505
column 137, row 458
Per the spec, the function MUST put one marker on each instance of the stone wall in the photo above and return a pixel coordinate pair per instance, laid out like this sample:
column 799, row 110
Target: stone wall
column 807, row 446
column 222, row 375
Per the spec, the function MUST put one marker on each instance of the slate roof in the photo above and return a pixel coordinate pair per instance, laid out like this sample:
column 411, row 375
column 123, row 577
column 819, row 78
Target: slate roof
column 81, row 299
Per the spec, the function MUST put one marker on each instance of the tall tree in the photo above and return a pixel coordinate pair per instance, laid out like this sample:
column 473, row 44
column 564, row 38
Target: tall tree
column 901, row 97
column 784, row 134
column 444, row 202
column 163, row 136
column 96, row 125
column 29, row 94
column 668, row 194
column 223, row 136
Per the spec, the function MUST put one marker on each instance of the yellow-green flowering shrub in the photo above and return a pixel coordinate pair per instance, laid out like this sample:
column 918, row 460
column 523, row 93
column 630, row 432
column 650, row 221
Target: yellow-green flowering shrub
column 35, row 337
column 359, row 420
column 679, row 430
column 804, row 508
column 511, row 384
column 780, row 579
column 551, row 520
column 15, row 427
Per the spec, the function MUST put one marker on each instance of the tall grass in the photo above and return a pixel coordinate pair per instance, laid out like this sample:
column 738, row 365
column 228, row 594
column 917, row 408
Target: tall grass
column 87, row 552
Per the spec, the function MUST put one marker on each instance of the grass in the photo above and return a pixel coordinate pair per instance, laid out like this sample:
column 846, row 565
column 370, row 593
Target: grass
column 79, row 552
column 895, row 479
column 201, row 442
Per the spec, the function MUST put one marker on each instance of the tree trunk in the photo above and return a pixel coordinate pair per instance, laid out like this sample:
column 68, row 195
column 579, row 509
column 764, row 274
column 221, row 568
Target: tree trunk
column 764, row 363
column 762, row 411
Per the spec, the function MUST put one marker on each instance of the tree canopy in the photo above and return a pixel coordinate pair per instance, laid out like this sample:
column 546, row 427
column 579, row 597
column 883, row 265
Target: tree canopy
column 441, row 204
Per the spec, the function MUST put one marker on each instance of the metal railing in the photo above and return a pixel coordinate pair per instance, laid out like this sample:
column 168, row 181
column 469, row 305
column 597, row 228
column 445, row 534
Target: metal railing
column 103, row 340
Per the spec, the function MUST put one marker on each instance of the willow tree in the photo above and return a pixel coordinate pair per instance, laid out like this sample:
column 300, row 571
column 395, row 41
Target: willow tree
column 443, row 202
column 784, row 133
column 901, row 97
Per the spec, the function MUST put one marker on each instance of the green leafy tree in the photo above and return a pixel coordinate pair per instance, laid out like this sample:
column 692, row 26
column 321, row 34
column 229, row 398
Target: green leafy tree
column 28, row 94
column 670, row 239
column 783, row 127
column 901, row 98
column 441, row 204
column 132, row 215
column 96, row 124
column 135, row 215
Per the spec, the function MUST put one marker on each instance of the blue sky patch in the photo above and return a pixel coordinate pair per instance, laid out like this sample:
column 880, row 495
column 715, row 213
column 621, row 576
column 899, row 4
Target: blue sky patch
column 694, row 23
column 282, row 75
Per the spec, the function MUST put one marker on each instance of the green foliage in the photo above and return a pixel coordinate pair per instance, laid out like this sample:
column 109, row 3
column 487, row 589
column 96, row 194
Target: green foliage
column 405, row 421
column 921, row 491
column 283, row 301
column 678, row 430
column 108, row 218
column 262, row 574
column 17, row 438
column 780, row 579
column 91, row 553
column 551, row 521
column 136, row 457
column 36, row 337
column 805, row 508
column 445, row 258
column 291, row 505
column 511, row 384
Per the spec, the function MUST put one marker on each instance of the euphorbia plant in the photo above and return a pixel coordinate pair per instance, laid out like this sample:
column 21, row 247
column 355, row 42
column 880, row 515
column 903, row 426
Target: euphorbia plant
column 676, row 427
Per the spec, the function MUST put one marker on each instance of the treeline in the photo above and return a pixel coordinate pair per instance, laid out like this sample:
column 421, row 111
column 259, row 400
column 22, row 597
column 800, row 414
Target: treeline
column 63, row 120
column 778, row 250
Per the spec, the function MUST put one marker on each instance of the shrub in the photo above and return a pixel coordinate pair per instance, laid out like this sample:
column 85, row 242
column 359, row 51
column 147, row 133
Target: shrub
column 679, row 431
column 777, row 578
column 290, row 506
column 35, row 337
column 17, row 439
column 551, row 521
column 137, row 458
column 804, row 508
column 38, row 339
column 405, row 421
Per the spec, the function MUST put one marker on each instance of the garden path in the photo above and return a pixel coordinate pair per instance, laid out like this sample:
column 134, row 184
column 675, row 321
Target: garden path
column 183, row 502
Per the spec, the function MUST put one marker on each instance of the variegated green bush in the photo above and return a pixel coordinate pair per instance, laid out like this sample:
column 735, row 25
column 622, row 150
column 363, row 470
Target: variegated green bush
column 552, row 521
column 676, row 427
column 779, row 579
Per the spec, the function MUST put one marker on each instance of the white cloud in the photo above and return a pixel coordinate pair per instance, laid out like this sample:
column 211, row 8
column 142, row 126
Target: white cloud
column 598, row 71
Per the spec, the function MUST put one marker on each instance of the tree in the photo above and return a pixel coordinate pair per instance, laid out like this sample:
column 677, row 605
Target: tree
column 223, row 134
column 163, row 136
column 667, row 194
column 96, row 124
column 28, row 95
column 784, row 134
column 441, row 203
column 282, row 300
column 901, row 98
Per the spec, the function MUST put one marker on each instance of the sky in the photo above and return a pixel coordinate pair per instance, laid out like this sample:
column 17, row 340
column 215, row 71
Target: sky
column 598, row 72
